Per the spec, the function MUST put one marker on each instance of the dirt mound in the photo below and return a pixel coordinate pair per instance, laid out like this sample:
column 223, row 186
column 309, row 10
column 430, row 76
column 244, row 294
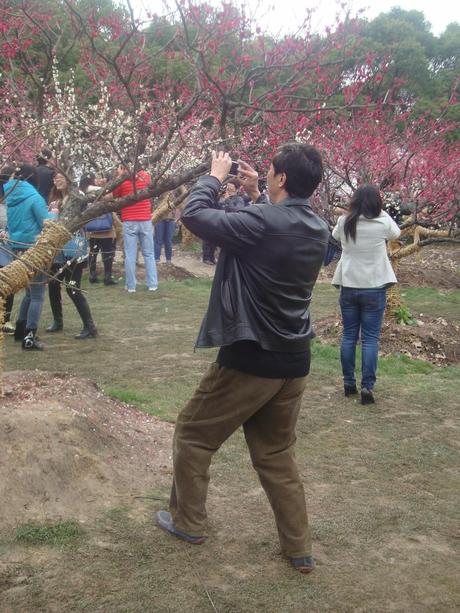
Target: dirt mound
column 433, row 266
column 70, row 451
column 167, row 272
column 434, row 340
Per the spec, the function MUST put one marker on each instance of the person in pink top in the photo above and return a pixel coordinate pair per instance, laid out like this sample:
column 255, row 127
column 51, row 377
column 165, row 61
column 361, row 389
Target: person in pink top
column 137, row 229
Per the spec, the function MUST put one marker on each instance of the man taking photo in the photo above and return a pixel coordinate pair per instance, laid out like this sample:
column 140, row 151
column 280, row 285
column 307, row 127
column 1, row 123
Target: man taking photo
column 259, row 316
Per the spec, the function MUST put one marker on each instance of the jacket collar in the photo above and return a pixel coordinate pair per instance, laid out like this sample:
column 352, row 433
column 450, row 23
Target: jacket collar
column 293, row 201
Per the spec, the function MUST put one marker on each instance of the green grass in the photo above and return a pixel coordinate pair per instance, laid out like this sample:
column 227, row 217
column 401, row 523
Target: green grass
column 55, row 534
column 433, row 302
column 428, row 301
column 165, row 402
column 145, row 354
column 380, row 481
column 325, row 301
column 194, row 247
column 399, row 366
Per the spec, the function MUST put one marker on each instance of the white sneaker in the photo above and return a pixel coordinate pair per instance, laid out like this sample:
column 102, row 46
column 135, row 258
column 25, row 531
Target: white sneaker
column 8, row 328
column 153, row 289
column 131, row 291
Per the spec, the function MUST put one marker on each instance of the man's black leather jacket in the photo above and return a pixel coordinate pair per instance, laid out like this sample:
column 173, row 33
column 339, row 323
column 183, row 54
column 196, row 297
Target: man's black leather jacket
column 270, row 259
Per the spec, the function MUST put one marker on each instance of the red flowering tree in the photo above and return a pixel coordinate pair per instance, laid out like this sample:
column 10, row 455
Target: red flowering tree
column 95, row 85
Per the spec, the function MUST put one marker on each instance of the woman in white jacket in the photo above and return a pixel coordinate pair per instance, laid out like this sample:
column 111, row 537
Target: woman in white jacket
column 363, row 274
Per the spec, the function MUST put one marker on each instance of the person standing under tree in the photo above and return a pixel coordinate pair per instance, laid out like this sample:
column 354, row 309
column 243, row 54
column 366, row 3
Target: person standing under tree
column 137, row 229
column 101, row 235
column 164, row 229
column 68, row 267
column 363, row 275
column 259, row 316
column 45, row 173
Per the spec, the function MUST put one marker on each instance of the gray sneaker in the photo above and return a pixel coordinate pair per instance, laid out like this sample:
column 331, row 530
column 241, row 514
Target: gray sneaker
column 163, row 519
column 303, row 565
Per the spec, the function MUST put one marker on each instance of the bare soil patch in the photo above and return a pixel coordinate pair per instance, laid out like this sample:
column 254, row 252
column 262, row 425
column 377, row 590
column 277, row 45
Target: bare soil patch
column 71, row 451
column 184, row 265
column 380, row 481
column 167, row 272
column 434, row 340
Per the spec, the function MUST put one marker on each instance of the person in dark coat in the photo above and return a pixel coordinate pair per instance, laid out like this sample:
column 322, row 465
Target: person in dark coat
column 45, row 173
column 259, row 316
column 232, row 200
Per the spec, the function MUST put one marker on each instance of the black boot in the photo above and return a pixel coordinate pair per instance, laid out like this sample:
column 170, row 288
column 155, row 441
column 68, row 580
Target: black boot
column 108, row 261
column 20, row 329
column 56, row 326
column 350, row 389
column 367, row 397
column 54, row 292
column 30, row 341
column 92, row 267
column 89, row 329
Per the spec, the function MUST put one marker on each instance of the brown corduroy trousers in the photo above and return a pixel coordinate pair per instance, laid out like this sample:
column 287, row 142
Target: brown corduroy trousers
column 268, row 410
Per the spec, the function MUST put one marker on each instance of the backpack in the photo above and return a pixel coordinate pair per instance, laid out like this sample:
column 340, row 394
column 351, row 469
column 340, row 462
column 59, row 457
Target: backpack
column 333, row 251
column 100, row 224
column 77, row 247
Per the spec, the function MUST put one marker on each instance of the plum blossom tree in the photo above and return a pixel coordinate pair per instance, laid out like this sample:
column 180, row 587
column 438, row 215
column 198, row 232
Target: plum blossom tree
column 96, row 85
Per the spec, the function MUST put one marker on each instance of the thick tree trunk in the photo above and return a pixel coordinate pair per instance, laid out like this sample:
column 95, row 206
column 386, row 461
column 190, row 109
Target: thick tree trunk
column 169, row 203
column 187, row 238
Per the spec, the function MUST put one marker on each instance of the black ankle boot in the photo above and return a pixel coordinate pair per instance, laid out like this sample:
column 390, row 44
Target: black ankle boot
column 93, row 279
column 20, row 330
column 110, row 281
column 88, row 331
column 350, row 389
column 30, row 341
column 367, row 397
column 56, row 326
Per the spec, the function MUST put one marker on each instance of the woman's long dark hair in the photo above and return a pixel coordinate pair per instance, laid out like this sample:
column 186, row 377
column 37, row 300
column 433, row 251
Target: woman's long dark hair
column 366, row 201
column 86, row 181
column 57, row 195
column 5, row 174
column 23, row 172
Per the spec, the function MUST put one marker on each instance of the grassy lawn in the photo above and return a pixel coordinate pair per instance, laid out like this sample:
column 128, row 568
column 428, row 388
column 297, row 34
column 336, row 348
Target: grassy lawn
column 380, row 482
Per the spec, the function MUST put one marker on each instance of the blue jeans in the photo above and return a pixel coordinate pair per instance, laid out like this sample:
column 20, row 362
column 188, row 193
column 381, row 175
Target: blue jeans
column 362, row 309
column 141, row 232
column 32, row 303
column 164, row 231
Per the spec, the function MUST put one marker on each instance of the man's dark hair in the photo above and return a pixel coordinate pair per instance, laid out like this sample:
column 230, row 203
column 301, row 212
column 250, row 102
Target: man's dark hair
column 44, row 156
column 303, row 167
column 5, row 173
column 86, row 181
column 27, row 172
column 234, row 181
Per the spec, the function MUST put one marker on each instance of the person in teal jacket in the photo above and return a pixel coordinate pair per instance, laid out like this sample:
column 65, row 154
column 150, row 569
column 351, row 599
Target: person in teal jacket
column 26, row 211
